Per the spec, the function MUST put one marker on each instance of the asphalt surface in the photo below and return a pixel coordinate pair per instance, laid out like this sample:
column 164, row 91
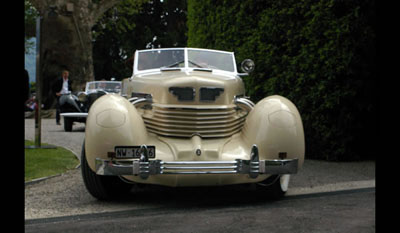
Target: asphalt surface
column 65, row 196
column 344, row 211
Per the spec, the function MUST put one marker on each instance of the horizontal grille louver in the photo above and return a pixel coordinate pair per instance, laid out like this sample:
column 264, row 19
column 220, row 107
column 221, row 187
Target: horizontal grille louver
column 188, row 121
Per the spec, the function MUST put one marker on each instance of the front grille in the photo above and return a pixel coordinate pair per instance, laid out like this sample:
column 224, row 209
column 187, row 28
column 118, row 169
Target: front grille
column 182, row 121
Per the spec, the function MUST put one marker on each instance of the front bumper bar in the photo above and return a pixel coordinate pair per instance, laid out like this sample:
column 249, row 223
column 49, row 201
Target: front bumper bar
column 144, row 167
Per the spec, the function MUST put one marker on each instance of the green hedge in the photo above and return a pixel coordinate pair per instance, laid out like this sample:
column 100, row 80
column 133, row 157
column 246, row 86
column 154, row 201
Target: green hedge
column 319, row 54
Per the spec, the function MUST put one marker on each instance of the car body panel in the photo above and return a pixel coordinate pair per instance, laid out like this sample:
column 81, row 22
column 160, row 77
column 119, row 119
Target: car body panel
column 158, row 84
column 215, row 128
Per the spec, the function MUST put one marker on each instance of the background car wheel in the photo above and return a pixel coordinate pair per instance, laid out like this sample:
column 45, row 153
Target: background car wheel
column 68, row 124
column 274, row 186
column 102, row 187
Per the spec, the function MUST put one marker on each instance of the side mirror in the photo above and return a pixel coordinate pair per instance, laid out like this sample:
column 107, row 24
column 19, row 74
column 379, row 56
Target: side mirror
column 247, row 65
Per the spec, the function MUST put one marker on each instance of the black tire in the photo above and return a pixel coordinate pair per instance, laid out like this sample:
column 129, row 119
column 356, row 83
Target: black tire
column 102, row 187
column 272, row 187
column 68, row 124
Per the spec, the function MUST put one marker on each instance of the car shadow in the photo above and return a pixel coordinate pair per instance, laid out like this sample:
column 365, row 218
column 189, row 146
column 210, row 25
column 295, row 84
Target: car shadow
column 196, row 197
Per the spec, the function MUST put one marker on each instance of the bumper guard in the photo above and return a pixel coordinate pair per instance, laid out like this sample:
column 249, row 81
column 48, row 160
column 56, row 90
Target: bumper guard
column 144, row 167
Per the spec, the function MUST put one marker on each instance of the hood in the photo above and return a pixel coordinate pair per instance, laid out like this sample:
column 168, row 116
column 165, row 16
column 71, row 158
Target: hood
column 186, row 88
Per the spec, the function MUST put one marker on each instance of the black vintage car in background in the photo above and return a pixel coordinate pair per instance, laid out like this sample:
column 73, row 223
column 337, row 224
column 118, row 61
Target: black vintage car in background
column 75, row 108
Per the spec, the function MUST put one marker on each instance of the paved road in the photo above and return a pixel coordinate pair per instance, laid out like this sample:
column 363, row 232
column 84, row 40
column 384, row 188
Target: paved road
column 347, row 211
column 65, row 195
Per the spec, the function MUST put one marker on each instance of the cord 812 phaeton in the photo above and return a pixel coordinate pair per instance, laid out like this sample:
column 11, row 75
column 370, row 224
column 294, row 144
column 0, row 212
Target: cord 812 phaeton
column 183, row 119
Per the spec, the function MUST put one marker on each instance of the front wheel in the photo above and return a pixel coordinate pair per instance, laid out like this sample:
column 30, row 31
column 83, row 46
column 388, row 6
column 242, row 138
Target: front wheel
column 275, row 186
column 102, row 187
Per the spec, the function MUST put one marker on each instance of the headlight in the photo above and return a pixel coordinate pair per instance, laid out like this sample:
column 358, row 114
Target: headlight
column 82, row 97
column 247, row 65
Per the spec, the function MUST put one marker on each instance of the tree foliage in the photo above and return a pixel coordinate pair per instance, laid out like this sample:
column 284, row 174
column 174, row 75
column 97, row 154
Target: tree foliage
column 320, row 54
column 66, row 41
column 30, row 25
column 132, row 25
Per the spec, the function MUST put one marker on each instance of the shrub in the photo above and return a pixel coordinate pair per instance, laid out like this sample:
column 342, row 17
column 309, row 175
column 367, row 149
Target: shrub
column 319, row 54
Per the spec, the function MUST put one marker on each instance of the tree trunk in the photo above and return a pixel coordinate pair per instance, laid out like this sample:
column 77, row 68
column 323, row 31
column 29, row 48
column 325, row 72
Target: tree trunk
column 61, row 48
column 66, row 42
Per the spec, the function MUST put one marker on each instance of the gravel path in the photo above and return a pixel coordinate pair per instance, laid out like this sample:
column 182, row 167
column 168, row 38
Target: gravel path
column 66, row 194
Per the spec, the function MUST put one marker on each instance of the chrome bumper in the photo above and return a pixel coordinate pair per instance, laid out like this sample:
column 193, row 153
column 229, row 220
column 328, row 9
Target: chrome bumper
column 144, row 167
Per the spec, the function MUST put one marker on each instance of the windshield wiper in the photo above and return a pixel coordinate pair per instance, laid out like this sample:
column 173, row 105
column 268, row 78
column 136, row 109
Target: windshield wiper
column 173, row 64
column 203, row 69
column 195, row 64
column 179, row 62
column 170, row 68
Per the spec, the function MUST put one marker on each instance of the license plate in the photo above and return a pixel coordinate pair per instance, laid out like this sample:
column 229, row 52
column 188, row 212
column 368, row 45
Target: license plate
column 125, row 152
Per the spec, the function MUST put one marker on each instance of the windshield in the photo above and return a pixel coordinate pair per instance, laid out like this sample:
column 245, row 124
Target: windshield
column 107, row 86
column 210, row 60
column 176, row 58
column 160, row 58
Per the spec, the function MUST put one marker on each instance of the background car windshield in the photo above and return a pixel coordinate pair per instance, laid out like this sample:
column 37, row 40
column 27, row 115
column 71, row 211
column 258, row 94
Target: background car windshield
column 161, row 58
column 106, row 86
column 211, row 60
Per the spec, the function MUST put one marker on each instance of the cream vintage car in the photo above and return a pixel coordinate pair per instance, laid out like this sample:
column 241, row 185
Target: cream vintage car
column 183, row 119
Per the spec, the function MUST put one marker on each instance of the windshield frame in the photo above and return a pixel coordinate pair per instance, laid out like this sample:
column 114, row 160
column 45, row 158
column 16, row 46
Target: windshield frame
column 186, row 66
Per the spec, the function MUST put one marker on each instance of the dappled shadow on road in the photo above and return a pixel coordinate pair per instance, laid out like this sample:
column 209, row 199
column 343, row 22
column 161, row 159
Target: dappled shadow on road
column 196, row 197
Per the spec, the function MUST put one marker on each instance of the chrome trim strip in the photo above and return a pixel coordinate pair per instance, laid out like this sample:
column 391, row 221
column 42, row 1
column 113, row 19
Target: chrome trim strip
column 244, row 104
column 140, row 101
column 198, row 162
column 74, row 114
column 109, row 168
column 195, row 168
column 198, row 172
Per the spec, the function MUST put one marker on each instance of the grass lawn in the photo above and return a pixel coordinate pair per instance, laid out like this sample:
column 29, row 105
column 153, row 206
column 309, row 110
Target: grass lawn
column 47, row 162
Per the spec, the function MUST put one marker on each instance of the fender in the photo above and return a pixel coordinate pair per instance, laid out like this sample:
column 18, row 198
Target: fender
column 69, row 99
column 275, row 126
column 112, row 120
